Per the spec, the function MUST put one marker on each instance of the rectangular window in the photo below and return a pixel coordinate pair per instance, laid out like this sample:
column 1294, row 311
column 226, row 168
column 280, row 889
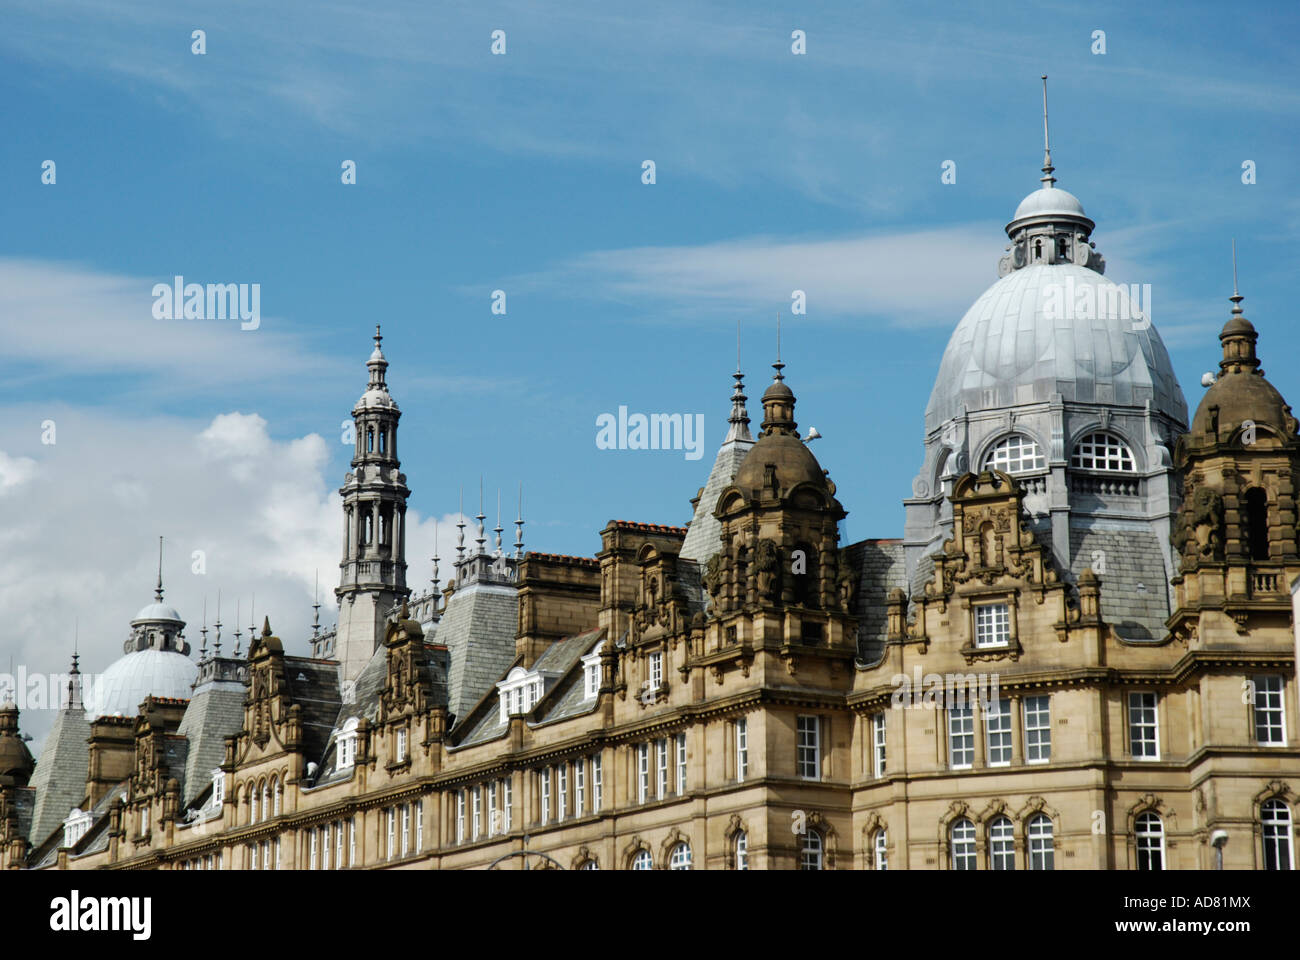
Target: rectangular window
column 406, row 829
column 311, row 851
column 992, row 625
column 507, row 803
column 878, row 744
column 390, row 816
column 266, row 855
column 592, row 676
column 742, row 749
column 277, row 853
column 401, row 746
column 681, row 764
column 997, row 732
column 460, row 816
column 961, row 737
column 546, row 795
column 325, row 847
column 656, row 671
column 579, row 786
column 1270, row 722
column 338, row 845
column 1143, row 734
column 494, row 823
column 419, row 825
column 352, row 842
column 661, row 769
column 562, row 791
column 476, row 825
column 1038, row 729
column 642, row 771
column 597, row 784
column 808, row 750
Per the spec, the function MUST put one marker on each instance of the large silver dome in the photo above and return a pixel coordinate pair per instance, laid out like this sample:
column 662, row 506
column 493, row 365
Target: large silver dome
column 128, row 680
column 1024, row 340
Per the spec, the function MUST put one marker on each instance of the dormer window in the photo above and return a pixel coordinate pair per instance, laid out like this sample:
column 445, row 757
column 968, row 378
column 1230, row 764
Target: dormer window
column 591, row 673
column 1014, row 454
column 75, row 827
column 520, row 691
column 347, row 745
column 1102, row 451
column 218, row 788
column 401, row 745
column 656, row 670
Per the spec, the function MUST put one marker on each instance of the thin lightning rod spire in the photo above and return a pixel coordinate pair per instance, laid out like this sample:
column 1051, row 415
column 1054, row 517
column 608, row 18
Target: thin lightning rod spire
column 1047, row 178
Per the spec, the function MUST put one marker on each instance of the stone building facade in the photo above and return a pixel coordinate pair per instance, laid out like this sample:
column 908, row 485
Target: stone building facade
column 1081, row 654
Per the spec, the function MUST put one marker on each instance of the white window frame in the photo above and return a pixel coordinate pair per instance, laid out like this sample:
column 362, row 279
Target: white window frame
column 656, row 670
column 1015, row 453
column 460, row 816
column 1269, row 713
column 401, row 745
column 591, row 673
column 992, row 625
column 997, row 732
column 961, row 737
column 545, row 795
column 507, row 803
column 419, row 826
column 1144, row 730
column 812, row 851
column 679, row 858
column 1002, row 844
column 808, row 747
column 1041, row 833
column 352, row 842
column 1102, row 451
column 492, row 808
column 390, row 816
column 1275, row 831
column 878, row 750
column 562, row 791
column 218, row 787
column 961, row 844
column 347, row 745
column 1149, row 840
column 642, row 860
column 1038, row 728
column 325, row 847
column 661, row 768
column 406, row 829
column 642, row 772
column 597, row 784
column 579, row 786
column 680, row 747
column 740, row 843
column 880, row 849
column 742, row 749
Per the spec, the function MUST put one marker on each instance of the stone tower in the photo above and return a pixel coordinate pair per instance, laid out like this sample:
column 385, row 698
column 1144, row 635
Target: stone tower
column 372, row 575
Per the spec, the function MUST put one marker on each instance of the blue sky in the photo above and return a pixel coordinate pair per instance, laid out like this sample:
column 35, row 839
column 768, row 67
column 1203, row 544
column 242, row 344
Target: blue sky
column 522, row 173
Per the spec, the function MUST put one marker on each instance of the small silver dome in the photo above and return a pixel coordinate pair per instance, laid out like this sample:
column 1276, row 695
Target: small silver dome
column 158, row 611
column 1048, row 201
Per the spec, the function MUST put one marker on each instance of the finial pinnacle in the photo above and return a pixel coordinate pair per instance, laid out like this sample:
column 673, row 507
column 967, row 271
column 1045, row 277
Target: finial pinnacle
column 1236, row 297
column 378, row 336
column 778, row 366
column 1047, row 179
column 158, row 592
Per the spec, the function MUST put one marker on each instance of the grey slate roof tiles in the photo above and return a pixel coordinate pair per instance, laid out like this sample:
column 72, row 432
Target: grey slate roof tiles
column 60, row 776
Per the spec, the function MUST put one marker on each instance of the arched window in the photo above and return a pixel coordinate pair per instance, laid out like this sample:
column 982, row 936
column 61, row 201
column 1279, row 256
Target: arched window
column 741, row 846
column 277, row 788
column 266, row 800
column 962, row 841
column 810, row 857
column 1149, row 832
column 1275, row 821
column 1002, row 845
column 880, row 848
column 589, row 865
column 1042, row 849
column 1038, row 249
column 1102, row 451
column 680, row 857
column 1257, row 523
column 383, row 441
column 370, row 439
column 1016, row 453
column 253, row 793
column 642, row 861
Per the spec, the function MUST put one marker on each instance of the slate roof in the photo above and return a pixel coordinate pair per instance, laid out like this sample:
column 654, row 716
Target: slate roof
column 216, row 711
column 704, row 533
column 880, row 568
column 60, row 776
column 478, row 629
column 1134, row 583
column 314, row 686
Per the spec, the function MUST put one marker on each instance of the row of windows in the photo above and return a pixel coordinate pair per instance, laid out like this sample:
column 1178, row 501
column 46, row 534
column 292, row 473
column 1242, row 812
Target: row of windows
column 1018, row 453
column 1040, row 845
column 326, row 844
column 403, row 831
column 664, row 776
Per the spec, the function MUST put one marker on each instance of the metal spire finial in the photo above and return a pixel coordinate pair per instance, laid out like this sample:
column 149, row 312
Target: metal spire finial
column 435, row 565
column 216, row 644
column 203, row 647
column 1236, row 297
column 252, row 621
column 480, row 516
column 158, row 593
column 1047, row 179
column 315, row 624
column 519, row 525
column 378, row 337
column 739, row 419
column 497, row 529
column 238, row 608
column 460, row 527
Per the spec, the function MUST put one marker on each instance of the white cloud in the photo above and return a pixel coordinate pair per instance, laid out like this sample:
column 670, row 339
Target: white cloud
column 80, row 555
column 890, row 277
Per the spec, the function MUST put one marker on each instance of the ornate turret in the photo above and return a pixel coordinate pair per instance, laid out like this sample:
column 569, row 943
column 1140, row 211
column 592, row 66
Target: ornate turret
column 1235, row 533
column 372, row 576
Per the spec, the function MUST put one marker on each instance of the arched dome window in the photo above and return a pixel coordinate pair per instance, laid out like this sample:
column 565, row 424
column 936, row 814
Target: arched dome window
column 1103, row 451
column 1016, row 453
